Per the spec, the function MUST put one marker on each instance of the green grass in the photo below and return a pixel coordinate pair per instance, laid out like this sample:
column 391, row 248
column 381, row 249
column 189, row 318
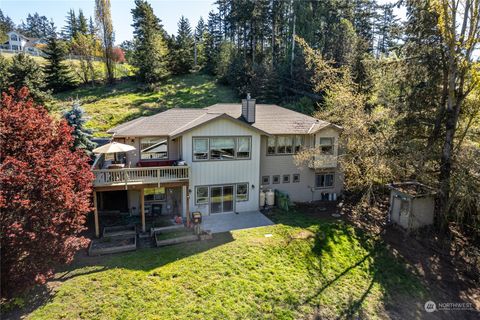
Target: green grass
column 108, row 106
column 305, row 268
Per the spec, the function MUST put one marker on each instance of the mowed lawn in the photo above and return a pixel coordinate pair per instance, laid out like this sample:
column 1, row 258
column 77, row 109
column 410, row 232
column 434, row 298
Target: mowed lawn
column 305, row 268
column 107, row 106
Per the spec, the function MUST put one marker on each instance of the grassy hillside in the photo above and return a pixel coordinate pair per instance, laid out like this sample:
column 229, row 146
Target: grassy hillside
column 121, row 70
column 108, row 106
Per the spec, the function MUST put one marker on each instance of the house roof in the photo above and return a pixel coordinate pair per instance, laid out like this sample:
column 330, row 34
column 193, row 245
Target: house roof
column 270, row 119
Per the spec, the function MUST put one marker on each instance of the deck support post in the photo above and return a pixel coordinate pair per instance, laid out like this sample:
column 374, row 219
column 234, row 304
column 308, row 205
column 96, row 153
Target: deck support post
column 142, row 208
column 186, row 194
column 95, row 212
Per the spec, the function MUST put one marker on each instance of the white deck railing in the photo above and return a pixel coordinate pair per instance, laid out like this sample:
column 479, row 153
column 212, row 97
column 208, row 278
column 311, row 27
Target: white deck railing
column 148, row 175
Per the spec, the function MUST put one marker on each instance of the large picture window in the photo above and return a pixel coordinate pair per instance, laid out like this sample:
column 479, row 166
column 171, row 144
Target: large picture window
column 153, row 148
column 287, row 144
column 222, row 148
column 324, row 180
column 242, row 192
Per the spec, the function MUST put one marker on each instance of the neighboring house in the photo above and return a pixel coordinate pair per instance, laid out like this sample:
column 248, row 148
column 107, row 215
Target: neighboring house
column 216, row 160
column 20, row 43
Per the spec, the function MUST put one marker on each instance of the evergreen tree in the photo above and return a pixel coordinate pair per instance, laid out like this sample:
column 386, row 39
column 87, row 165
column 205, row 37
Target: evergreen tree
column 82, row 24
column 58, row 75
column 82, row 136
column 212, row 42
column 150, row 48
column 4, row 78
column 183, row 51
column 71, row 25
column 25, row 72
column 36, row 26
column 200, row 37
column 6, row 25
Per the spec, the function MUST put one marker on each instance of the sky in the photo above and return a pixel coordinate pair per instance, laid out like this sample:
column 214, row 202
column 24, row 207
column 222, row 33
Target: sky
column 169, row 11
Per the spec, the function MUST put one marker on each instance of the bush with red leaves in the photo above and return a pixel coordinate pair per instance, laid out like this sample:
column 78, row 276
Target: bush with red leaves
column 45, row 193
column 118, row 55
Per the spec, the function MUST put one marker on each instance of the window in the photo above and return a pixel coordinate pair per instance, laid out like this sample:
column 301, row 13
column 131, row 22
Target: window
column 200, row 149
column 154, row 194
column 298, row 143
column 222, row 148
column 326, row 145
column 201, row 195
column 286, row 178
column 324, row 180
column 242, row 192
column 271, row 145
column 14, row 37
column 15, row 47
column 276, row 180
column 243, row 147
column 153, row 148
column 284, row 144
column 265, row 180
column 295, row 178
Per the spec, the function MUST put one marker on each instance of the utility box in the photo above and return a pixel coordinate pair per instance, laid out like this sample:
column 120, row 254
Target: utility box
column 412, row 205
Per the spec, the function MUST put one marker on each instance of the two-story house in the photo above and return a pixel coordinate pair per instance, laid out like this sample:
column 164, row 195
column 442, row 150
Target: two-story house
column 20, row 43
column 216, row 160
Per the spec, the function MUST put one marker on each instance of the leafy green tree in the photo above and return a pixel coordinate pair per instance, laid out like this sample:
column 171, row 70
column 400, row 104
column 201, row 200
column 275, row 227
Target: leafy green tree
column 103, row 16
column 4, row 79
column 6, row 25
column 81, row 135
column 183, row 50
column 25, row 72
column 150, row 53
column 58, row 75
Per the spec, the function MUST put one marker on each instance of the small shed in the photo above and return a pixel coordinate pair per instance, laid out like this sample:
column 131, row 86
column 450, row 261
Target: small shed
column 412, row 204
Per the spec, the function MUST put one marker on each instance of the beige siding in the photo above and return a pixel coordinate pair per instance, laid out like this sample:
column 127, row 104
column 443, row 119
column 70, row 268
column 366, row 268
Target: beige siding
column 284, row 164
column 224, row 172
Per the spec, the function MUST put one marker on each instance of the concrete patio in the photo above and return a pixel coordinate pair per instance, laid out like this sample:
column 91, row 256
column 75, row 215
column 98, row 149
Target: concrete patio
column 223, row 222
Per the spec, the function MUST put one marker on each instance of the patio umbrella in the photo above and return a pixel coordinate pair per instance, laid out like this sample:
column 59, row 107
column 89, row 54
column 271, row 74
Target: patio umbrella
column 114, row 147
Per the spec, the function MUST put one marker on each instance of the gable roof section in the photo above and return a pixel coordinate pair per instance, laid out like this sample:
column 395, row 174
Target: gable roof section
column 270, row 119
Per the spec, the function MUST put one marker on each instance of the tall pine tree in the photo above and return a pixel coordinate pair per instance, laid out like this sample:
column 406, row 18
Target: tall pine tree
column 82, row 136
column 150, row 48
column 183, row 51
column 57, row 74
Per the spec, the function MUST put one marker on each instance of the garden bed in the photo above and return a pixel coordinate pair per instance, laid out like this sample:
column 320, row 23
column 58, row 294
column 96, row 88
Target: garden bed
column 169, row 237
column 112, row 245
column 129, row 230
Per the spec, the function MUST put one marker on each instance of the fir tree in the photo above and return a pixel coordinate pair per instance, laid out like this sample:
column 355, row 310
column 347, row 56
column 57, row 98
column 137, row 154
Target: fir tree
column 71, row 25
column 200, row 37
column 150, row 48
column 82, row 136
column 6, row 25
column 183, row 53
column 82, row 24
column 58, row 75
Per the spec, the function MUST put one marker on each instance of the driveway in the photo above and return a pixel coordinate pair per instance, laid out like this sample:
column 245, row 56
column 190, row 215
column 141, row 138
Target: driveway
column 223, row 222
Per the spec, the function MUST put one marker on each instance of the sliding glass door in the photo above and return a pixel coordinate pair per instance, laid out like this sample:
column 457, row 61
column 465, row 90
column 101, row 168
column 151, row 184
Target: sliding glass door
column 221, row 199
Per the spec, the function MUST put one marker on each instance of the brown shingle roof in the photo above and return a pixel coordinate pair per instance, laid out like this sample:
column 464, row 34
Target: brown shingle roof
column 270, row 119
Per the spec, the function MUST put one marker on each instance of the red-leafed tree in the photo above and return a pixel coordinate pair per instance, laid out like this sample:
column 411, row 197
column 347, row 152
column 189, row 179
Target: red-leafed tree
column 45, row 193
column 118, row 55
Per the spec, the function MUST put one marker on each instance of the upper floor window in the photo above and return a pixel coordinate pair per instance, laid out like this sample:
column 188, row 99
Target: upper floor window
column 290, row 144
column 221, row 148
column 327, row 145
column 153, row 148
column 14, row 37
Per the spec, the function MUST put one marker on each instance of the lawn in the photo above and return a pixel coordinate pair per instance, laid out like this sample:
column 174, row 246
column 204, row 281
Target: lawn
column 107, row 106
column 305, row 268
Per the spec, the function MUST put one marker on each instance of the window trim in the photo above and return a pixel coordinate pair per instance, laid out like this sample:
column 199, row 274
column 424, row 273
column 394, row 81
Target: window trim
column 325, row 174
column 332, row 139
column 296, row 178
column 154, row 159
column 236, row 191
column 196, row 195
column 273, row 179
column 287, row 180
column 267, row 179
column 294, row 144
column 235, row 148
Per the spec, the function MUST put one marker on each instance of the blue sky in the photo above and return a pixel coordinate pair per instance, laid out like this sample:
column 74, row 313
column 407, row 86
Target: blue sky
column 169, row 11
